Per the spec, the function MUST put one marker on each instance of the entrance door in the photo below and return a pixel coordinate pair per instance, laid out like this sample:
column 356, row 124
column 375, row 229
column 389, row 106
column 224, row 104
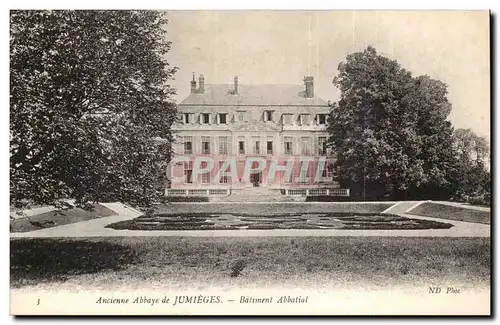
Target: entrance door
column 256, row 179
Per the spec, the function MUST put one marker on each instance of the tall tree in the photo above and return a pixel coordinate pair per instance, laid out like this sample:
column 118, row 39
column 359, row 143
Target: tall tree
column 90, row 106
column 473, row 178
column 372, row 129
column 429, row 100
column 390, row 130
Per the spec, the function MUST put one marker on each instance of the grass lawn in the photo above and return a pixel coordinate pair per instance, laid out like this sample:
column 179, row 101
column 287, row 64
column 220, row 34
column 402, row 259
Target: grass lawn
column 58, row 218
column 249, row 262
column 270, row 208
column 442, row 211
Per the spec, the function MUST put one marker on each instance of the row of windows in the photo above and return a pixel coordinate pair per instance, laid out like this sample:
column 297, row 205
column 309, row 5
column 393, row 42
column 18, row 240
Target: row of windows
column 268, row 116
column 305, row 146
column 205, row 178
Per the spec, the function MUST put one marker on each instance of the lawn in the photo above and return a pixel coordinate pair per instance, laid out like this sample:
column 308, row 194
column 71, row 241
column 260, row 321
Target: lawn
column 273, row 207
column 443, row 211
column 251, row 262
column 58, row 218
column 226, row 221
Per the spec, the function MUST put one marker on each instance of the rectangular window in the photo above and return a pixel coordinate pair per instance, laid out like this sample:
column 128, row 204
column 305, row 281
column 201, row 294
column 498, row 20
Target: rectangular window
column 241, row 147
column 303, row 177
column 188, row 145
column 328, row 171
column 321, row 119
column 288, row 145
column 188, row 172
column 205, row 145
column 205, row 178
column 269, row 147
column 223, row 179
column 205, row 118
column 223, row 145
column 187, row 118
column 256, row 145
column 222, row 118
column 305, row 145
column 268, row 116
column 322, row 146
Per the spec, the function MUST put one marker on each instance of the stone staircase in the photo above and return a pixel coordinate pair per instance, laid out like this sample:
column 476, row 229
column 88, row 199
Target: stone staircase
column 258, row 194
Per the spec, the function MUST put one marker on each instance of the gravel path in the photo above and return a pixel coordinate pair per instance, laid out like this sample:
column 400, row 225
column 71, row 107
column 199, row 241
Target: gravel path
column 96, row 228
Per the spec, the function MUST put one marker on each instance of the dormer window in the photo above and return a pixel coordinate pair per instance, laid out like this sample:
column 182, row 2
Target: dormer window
column 305, row 119
column 239, row 116
column 321, row 118
column 268, row 116
column 188, row 118
column 205, row 118
column 287, row 119
column 222, row 118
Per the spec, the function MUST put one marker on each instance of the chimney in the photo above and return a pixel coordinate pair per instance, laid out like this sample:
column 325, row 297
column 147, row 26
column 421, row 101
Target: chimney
column 309, row 82
column 202, row 84
column 193, row 85
column 235, row 84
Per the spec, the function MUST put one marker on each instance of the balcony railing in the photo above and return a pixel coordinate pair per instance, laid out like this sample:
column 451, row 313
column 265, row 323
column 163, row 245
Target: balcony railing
column 197, row 192
column 316, row 192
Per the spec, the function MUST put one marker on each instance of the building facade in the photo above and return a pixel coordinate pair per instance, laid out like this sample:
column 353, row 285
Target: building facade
column 255, row 136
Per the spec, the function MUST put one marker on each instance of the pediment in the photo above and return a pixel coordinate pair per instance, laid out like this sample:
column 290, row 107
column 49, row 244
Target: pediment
column 253, row 126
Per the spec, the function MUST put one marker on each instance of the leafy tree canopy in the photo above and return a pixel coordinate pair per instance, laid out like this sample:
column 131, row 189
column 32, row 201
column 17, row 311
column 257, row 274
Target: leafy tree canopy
column 390, row 130
column 473, row 179
column 90, row 106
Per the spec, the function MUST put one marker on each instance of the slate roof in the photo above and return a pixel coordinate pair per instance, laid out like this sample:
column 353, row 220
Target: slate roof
column 252, row 95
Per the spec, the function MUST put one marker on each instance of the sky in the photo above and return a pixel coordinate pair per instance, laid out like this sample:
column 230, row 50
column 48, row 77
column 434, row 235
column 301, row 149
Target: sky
column 281, row 47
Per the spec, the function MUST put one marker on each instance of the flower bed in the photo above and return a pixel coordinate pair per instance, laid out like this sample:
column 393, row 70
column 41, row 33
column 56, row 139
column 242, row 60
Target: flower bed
column 338, row 220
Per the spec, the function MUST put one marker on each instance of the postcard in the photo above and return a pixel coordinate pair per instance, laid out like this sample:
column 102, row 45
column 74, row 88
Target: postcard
column 250, row 162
